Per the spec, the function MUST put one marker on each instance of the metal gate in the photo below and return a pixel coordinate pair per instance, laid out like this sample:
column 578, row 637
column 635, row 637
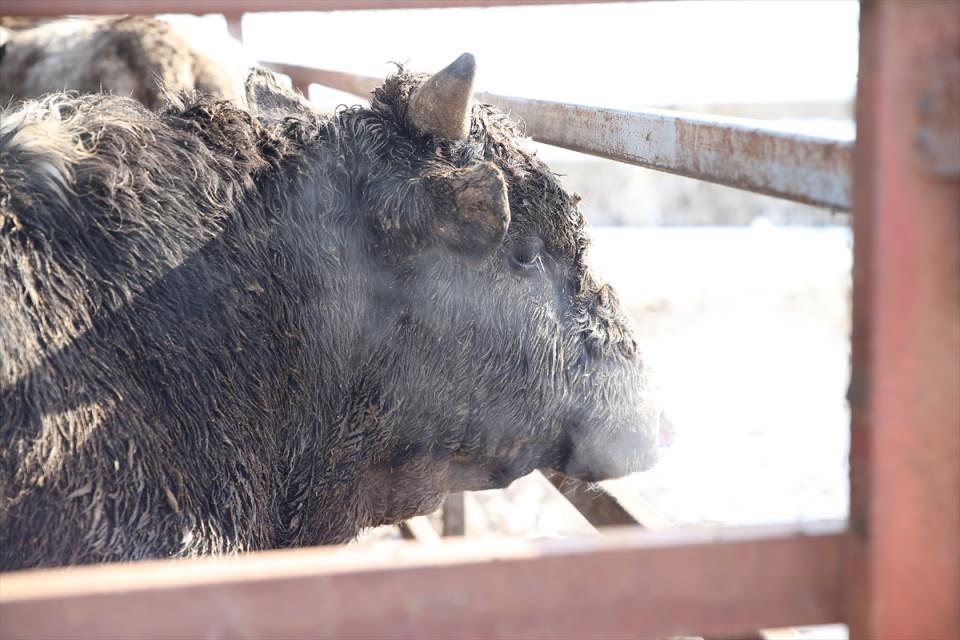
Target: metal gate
column 892, row 570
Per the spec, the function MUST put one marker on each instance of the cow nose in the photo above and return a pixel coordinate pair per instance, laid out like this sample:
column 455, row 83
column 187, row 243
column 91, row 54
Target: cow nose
column 595, row 456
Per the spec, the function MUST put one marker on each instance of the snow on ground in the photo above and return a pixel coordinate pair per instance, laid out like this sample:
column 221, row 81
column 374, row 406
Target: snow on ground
column 746, row 331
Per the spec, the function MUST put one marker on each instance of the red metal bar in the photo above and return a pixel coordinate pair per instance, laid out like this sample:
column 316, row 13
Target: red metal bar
column 198, row 7
column 904, row 541
column 626, row 584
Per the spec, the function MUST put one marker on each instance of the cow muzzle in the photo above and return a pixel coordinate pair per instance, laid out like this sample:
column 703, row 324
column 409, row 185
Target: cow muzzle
column 596, row 457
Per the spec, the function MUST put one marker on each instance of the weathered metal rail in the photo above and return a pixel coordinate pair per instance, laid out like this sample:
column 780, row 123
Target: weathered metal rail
column 626, row 584
column 746, row 154
column 40, row 8
column 736, row 152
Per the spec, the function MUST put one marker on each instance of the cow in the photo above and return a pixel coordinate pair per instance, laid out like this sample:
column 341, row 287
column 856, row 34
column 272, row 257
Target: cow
column 227, row 329
column 135, row 56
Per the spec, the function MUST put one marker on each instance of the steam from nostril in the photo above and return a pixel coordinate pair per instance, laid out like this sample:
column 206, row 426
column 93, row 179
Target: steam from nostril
column 668, row 431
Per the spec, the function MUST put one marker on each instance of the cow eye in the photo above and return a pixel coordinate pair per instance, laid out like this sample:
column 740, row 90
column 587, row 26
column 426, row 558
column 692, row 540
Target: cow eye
column 526, row 255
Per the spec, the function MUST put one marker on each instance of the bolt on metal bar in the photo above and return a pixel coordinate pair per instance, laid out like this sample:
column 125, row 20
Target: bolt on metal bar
column 740, row 153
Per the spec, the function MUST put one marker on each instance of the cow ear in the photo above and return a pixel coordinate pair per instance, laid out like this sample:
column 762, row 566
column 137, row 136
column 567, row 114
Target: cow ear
column 267, row 97
column 471, row 208
column 441, row 105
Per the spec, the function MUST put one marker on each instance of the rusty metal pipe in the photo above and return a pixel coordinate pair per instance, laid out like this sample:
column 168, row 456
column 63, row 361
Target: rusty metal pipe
column 47, row 8
column 626, row 584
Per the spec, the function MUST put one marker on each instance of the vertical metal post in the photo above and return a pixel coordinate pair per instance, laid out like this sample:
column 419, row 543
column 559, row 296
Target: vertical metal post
column 453, row 515
column 904, row 541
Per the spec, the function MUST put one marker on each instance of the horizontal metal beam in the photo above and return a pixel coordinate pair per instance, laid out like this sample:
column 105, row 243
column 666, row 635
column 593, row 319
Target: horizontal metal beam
column 736, row 152
column 626, row 584
column 741, row 153
column 199, row 7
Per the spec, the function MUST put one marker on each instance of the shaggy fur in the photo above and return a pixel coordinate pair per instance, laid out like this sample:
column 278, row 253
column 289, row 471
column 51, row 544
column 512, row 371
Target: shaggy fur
column 139, row 57
column 222, row 332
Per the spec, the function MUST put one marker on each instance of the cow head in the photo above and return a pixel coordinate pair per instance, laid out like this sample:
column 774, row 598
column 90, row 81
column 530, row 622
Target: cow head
column 490, row 348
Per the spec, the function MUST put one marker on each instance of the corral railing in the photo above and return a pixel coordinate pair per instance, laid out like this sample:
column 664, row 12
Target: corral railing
column 736, row 152
column 891, row 571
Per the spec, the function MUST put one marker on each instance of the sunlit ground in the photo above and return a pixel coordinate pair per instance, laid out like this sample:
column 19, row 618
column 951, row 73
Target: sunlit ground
column 746, row 330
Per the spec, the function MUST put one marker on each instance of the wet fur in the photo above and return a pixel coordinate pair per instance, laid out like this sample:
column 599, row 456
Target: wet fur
column 221, row 333
column 136, row 56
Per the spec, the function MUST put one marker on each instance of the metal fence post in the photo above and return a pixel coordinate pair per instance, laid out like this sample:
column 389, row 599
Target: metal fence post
column 903, row 546
column 235, row 25
column 454, row 515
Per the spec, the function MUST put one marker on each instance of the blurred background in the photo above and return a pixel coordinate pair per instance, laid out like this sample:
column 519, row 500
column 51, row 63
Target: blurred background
column 741, row 302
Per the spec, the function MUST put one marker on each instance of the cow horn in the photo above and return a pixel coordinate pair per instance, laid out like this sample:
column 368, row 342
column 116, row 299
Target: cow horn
column 441, row 105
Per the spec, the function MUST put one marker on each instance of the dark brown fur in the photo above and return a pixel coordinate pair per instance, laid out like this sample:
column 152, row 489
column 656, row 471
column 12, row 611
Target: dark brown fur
column 221, row 332
column 139, row 57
